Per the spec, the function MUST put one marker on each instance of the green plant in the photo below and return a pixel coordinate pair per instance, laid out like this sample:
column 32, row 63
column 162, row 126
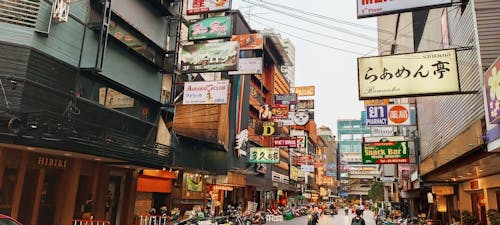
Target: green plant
column 467, row 218
column 376, row 192
column 494, row 217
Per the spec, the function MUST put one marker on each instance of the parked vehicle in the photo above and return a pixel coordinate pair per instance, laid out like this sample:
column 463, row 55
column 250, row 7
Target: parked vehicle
column 7, row 220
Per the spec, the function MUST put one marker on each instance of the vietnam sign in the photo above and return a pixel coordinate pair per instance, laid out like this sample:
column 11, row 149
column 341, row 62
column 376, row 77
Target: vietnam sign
column 210, row 28
column 369, row 8
column 210, row 57
column 289, row 142
column 408, row 75
column 394, row 114
column 264, row 155
column 206, row 92
column 205, row 6
column 391, row 152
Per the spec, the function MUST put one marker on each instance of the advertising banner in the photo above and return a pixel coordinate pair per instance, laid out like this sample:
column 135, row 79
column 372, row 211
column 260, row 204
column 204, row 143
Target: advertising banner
column 492, row 92
column 210, row 28
column 369, row 8
column 307, row 168
column 206, row 92
column 264, row 155
column 306, row 104
column 387, row 152
column 304, row 91
column 210, row 57
column 269, row 129
column 301, row 118
column 408, row 75
column 285, row 142
column 205, row 6
column 280, row 111
column 294, row 173
column 394, row 114
column 370, row 102
column 301, row 160
column 248, row 66
column 301, row 141
column 249, row 41
column 285, row 99
column 287, row 121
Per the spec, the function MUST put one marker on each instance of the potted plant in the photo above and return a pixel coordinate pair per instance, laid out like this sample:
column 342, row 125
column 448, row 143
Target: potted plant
column 467, row 218
column 494, row 217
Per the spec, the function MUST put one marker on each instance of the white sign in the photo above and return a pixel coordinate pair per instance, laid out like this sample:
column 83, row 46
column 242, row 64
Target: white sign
column 382, row 131
column 368, row 8
column 307, row 168
column 408, row 75
column 206, row 92
column 383, row 139
column 288, row 121
column 248, row 66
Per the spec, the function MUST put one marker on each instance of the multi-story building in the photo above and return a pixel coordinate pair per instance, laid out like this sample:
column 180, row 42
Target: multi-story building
column 289, row 70
column 82, row 89
column 330, row 160
column 457, row 157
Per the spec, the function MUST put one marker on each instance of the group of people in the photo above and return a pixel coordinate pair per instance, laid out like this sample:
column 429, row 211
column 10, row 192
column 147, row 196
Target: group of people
column 357, row 220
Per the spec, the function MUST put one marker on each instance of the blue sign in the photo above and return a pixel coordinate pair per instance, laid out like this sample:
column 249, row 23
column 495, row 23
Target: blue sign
column 376, row 115
column 331, row 173
column 331, row 166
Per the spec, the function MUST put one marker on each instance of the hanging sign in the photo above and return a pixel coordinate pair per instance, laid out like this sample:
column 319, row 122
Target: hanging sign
column 389, row 151
column 210, row 57
column 492, row 92
column 408, row 75
column 394, row 114
column 307, row 168
column 285, row 142
column 304, row 90
column 205, row 6
column 280, row 112
column 370, row 8
column 285, row 99
column 248, row 66
column 286, row 121
column 301, row 118
column 206, row 92
column 301, row 141
column 210, row 28
column 249, row 41
column 269, row 128
column 306, row 104
column 264, row 155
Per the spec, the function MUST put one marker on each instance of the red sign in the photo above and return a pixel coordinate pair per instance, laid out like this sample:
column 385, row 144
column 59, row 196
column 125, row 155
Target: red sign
column 285, row 142
column 302, row 160
column 280, row 112
column 399, row 115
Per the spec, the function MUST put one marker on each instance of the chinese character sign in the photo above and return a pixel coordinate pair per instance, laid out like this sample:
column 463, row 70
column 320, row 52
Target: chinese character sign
column 264, row 155
column 406, row 75
column 205, row 6
column 492, row 92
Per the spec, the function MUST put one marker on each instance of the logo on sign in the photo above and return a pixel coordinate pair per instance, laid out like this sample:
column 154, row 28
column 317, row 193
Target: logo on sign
column 399, row 114
column 376, row 115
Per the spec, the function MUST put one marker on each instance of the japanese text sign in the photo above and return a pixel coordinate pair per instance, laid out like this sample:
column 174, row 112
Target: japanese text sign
column 264, row 155
column 306, row 104
column 369, row 8
column 389, row 150
column 289, row 142
column 285, row 99
column 249, row 66
column 210, row 28
column 370, row 102
column 492, row 89
column 249, row 41
column 394, row 114
column 206, row 92
column 304, row 91
column 205, row 6
column 407, row 75
column 280, row 112
column 210, row 57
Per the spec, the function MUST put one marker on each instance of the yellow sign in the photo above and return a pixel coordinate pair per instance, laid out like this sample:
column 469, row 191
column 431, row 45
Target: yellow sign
column 373, row 102
column 442, row 190
column 441, row 203
column 294, row 173
column 406, row 75
column 304, row 91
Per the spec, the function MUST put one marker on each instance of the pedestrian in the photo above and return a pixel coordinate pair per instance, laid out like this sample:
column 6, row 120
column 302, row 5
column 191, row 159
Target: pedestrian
column 357, row 220
column 87, row 208
column 362, row 209
column 313, row 217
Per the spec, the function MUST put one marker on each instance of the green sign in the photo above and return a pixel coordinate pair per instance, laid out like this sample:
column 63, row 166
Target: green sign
column 265, row 155
column 391, row 152
column 210, row 28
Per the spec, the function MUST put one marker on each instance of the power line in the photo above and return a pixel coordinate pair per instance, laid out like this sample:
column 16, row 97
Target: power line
column 314, row 42
column 313, row 32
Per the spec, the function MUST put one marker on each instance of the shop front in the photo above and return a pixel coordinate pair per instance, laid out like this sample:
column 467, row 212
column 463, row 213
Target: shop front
column 154, row 188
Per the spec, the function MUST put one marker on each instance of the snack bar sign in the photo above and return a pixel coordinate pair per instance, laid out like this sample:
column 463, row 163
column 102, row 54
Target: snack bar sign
column 264, row 155
column 391, row 150
column 394, row 115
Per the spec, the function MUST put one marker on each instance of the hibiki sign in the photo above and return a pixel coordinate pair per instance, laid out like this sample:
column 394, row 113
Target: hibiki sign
column 381, row 115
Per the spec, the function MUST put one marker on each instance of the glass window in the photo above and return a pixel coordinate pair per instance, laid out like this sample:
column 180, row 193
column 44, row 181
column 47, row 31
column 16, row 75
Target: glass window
column 357, row 137
column 345, row 137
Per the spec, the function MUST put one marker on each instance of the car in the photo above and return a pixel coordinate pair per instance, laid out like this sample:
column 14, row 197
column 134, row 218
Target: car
column 7, row 220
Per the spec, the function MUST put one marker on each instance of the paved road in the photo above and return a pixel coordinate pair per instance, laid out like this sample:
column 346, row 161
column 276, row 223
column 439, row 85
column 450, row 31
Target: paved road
column 340, row 219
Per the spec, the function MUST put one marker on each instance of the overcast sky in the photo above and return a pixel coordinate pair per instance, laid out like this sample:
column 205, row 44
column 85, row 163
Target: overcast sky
column 333, row 72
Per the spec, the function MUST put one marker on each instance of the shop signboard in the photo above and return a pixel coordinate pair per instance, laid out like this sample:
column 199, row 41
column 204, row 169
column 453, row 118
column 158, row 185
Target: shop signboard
column 264, row 155
column 331, row 173
column 285, row 142
column 286, row 121
column 408, row 75
column 307, row 168
column 304, row 90
column 206, row 92
column 391, row 150
column 269, row 129
column 248, row 66
column 301, row 141
column 492, row 92
column 393, row 115
column 206, row 6
column 442, row 190
column 210, row 28
column 306, row 104
column 370, row 8
column 301, row 118
column 249, row 41
column 302, row 160
column 382, row 131
column 210, row 57
column 294, row 173
column 285, row 99
column 370, row 102
column 280, row 112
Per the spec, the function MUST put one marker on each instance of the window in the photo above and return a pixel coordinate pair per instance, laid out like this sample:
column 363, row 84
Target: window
column 357, row 137
column 22, row 13
column 345, row 137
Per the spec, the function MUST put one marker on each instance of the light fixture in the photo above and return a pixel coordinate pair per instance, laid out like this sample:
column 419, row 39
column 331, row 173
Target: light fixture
column 68, row 154
column 97, row 159
column 461, row 176
column 481, row 170
column 31, row 148
column 170, row 170
column 469, row 173
column 454, row 179
column 164, row 168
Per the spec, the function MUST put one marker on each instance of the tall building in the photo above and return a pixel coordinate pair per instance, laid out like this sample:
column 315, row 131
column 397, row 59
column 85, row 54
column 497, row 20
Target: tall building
column 289, row 70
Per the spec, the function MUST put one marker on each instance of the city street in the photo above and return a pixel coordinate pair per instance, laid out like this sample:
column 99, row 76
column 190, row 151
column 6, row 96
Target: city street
column 339, row 219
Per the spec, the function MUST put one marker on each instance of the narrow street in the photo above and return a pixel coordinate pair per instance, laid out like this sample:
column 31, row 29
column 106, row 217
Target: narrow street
column 339, row 219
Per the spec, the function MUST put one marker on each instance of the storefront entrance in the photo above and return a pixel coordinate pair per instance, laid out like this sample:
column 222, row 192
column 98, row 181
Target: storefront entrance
column 478, row 207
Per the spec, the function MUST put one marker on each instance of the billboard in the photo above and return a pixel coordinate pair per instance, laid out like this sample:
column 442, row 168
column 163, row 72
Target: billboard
column 370, row 8
column 264, row 155
column 248, row 66
column 301, row 118
column 393, row 115
column 286, row 121
column 210, row 28
column 280, row 112
column 307, row 168
column 302, row 160
column 206, row 92
column 210, row 57
column 285, row 99
column 269, row 129
column 249, row 41
column 304, row 90
column 306, row 104
column 205, row 6
column 408, row 75
column 382, row 131
column 388, row 150
column 492, row 92
column 285, row 142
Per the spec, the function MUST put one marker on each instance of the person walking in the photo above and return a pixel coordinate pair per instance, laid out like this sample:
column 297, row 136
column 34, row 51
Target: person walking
column 362, row 209
column 357, row 220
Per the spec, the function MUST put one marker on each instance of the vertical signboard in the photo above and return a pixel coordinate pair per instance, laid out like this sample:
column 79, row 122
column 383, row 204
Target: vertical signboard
column 492, row 92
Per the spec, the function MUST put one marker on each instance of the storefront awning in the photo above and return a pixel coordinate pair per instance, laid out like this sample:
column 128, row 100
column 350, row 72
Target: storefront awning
column 158, row 181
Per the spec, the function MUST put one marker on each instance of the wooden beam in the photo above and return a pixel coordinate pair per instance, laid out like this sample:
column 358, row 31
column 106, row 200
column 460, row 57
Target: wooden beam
column 38, row 196
column 3, row 156
column 19, row 185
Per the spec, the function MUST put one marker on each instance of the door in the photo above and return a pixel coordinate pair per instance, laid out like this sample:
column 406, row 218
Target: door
column 113, row 198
